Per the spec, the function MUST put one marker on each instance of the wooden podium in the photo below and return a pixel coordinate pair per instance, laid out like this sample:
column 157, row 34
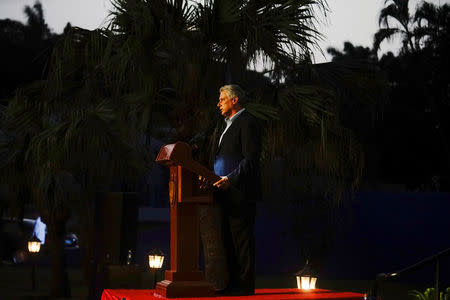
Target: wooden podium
column 184, row 279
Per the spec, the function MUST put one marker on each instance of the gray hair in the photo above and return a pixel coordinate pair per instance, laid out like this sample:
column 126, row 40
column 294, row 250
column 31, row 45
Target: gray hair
column 234, row 90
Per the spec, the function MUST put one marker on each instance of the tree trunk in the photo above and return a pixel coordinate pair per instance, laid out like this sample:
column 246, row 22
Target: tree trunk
column 93, row 242
column 60, row 281
column 87, row 246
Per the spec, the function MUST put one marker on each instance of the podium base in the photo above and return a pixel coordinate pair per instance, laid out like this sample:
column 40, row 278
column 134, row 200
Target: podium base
column 184, row 289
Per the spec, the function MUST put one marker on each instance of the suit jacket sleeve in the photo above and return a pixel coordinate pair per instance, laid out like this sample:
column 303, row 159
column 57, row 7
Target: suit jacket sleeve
column 251, row 149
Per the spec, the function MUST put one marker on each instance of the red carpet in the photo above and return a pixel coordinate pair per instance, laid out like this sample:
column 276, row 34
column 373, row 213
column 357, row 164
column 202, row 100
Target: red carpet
column 266, row 294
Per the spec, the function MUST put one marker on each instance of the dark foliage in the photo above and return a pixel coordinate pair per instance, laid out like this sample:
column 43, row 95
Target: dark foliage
column 25, row 50
column 409, row 144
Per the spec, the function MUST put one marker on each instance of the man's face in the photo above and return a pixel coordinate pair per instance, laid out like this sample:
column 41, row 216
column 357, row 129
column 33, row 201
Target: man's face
column 226, row 104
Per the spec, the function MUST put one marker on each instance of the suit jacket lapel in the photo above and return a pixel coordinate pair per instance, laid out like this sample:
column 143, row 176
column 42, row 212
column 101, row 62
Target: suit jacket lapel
column 233, row 126
column 222, row 128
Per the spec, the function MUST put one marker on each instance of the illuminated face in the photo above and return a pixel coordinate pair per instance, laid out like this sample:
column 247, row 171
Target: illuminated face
column 226, row 104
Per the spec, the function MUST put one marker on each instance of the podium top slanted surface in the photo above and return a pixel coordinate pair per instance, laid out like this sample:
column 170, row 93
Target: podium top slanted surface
column 181, row 154
column 174, row 154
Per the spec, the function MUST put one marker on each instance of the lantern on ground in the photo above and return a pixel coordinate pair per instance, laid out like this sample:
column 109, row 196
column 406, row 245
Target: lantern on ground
column 155, row 259
column 34, row 245
column 155, row 262
column 306, row 278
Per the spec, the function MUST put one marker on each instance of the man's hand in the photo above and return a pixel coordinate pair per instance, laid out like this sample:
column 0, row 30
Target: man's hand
column 223, row 183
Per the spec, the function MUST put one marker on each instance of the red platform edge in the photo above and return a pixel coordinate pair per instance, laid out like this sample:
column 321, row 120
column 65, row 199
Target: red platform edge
column 263, row 294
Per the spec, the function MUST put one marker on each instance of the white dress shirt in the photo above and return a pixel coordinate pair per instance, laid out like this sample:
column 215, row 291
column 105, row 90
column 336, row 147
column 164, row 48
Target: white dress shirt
column 229, row 121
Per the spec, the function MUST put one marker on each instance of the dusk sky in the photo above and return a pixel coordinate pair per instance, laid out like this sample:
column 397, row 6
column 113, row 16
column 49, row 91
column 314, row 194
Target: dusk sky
column 348, row 20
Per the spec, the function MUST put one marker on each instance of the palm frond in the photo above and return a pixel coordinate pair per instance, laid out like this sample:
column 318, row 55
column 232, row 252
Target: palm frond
column 427, row 11
column 312, row 102
column 284, row 28
column 262, row 111
column 54, row 191
column 397, row 10
column 384, row 34
column 356, row 83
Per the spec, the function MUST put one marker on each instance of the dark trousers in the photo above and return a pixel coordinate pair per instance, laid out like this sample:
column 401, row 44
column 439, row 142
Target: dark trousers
column 239, row 239
column 216, row 266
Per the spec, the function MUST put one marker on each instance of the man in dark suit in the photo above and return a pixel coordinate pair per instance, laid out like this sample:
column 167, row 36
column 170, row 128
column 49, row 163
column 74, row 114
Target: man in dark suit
column 237, row 162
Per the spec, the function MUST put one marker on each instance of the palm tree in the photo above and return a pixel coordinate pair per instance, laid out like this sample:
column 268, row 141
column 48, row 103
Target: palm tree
column 36, row 26
column 423, row 63
column 433, row 31
column 238, row 32
column 69, row 122
column 25, row 49
column 299, row 112
column 398, row 12
column 432, row 24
